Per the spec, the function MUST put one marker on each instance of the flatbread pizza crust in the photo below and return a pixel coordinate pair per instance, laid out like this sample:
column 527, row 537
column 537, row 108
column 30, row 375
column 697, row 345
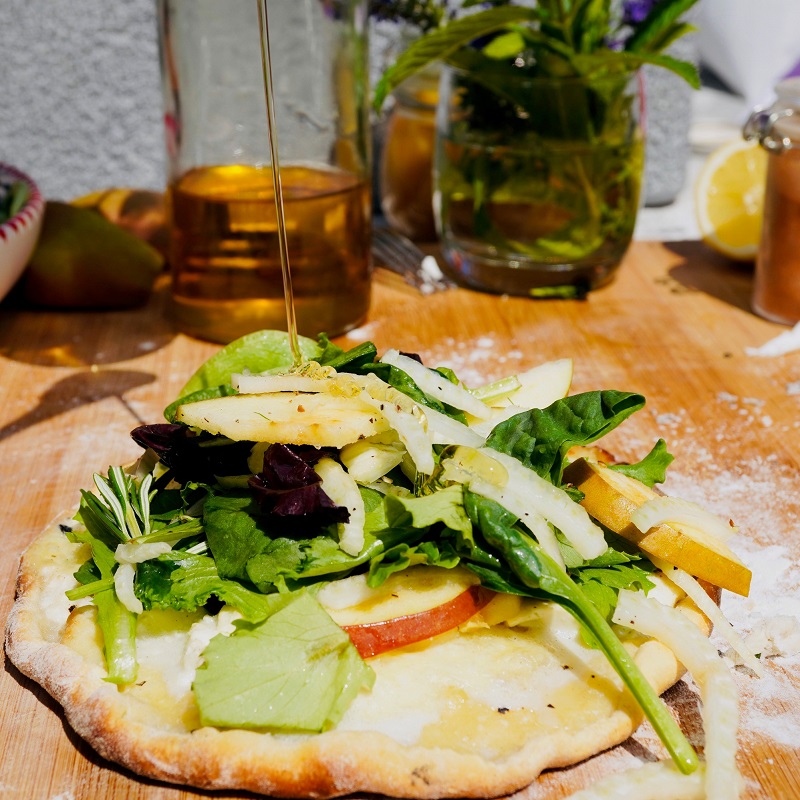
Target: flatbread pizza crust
column 448, row 731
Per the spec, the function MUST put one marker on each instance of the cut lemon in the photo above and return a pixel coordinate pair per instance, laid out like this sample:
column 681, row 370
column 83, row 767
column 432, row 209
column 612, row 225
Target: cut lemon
column 729, row 199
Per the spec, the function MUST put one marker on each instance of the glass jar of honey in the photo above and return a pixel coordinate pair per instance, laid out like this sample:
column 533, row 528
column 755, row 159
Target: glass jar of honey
column 776, row 292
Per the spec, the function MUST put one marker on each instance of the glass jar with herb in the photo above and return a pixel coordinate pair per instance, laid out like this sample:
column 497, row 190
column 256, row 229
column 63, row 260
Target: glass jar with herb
column 539, row 154
column 537, row 187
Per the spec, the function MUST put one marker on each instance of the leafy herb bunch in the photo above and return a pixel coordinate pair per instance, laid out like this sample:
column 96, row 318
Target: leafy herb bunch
column 590, row 39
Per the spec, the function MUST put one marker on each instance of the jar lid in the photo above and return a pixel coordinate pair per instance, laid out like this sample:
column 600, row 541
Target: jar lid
column 788, row 92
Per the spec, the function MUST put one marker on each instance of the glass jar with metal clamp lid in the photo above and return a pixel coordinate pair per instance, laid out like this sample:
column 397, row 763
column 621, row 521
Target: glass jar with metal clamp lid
column 776, row 292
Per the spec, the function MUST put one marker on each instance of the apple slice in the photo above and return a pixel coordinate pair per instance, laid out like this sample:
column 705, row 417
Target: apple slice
column 409, row 606
column 543, row 385
column 374, row 638
column 612, row 498
column 322, row 420
column 538, row 387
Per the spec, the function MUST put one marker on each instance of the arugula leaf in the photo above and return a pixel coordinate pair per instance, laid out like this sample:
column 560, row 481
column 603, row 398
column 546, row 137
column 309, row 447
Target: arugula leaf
column 235, row 532
column 652, row 469
column 540, row 438
column 328, row 350
column 445, row 506
column 308, row 672
column 185, row 582
column 403, row 556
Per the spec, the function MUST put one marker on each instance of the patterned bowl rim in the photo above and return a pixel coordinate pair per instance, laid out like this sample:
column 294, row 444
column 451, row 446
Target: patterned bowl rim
column 30, row 212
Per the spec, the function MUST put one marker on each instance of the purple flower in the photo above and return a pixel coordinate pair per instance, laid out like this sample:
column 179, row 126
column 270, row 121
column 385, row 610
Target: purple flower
column 634, row 12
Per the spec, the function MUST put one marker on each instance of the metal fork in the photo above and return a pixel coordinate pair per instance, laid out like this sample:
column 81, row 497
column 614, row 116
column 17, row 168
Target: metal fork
column 400, row 255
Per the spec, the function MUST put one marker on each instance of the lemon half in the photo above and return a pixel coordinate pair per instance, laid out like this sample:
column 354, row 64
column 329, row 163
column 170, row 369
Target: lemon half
column 729, row 199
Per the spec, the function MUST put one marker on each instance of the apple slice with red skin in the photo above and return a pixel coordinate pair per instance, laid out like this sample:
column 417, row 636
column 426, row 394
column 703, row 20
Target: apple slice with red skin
column 374, row 638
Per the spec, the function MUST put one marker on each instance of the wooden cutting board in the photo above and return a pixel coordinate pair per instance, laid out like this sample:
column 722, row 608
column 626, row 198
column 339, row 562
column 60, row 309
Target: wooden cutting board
column 674, row 325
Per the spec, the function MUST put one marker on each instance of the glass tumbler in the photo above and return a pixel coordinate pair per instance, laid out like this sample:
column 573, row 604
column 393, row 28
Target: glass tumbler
column 224, row 252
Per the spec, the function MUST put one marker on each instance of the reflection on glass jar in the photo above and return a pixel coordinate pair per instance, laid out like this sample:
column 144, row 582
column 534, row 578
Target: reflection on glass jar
column 407, row 159
column 537, row 181
column 224, row 255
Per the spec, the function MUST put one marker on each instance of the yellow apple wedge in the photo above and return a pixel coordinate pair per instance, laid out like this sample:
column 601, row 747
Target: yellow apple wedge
column 611, row 498
column 322, row 420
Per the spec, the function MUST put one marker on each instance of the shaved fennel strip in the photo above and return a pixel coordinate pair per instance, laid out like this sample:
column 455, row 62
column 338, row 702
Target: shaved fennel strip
column 410, row 428
column 717, row 689
column 532, row 519
column 554, row 504
column 659, row 781
column 662, row 509
column 446, row 430
column 135, row 552
column 437, row 385
column 484, row 427
column 123, row 586
column 343, row 491
column 699, row 597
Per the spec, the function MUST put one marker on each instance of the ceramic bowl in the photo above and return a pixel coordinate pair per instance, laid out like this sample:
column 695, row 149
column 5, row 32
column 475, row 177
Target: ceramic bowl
column 18, row 235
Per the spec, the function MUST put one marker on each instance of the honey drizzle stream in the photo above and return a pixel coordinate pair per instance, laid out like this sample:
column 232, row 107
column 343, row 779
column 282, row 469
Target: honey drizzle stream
column 288, row 294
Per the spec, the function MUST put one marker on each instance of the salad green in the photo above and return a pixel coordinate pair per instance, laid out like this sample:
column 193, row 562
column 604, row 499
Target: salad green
column 194, row 527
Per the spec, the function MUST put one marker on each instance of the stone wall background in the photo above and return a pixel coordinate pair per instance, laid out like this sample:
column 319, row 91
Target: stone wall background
column 80, row 93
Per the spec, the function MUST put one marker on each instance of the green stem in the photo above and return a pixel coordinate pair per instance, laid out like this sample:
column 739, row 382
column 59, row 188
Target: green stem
column 90, row 588
column 538, row 571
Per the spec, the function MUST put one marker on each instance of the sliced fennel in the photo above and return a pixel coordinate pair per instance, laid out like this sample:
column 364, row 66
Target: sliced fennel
column 438, row 386
column 343, row 490
column 123, row 586
column 368, row 461
column 528, row 492
column 661, row 510
column 717, row 689
column 698, row 595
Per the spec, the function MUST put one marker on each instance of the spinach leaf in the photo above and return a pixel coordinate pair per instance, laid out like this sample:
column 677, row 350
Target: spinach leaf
column 540, row 438
column 532, row 572
column 351, row 360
